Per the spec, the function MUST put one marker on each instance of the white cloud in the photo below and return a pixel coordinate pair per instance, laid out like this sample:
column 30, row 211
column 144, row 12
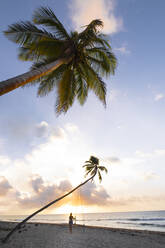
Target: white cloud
column 4, row 186
column 42, row 129
column 4, row 161
column 122, row 50
column 150, row 176
column 160, row 152
column 112, row 160
column 42, row 192
column 61, row 154
column 149, row 155
column 84, row 11
column 158, row 97
column 71, row 127
column 143, row 154
column 57, row 132
column 113, row 95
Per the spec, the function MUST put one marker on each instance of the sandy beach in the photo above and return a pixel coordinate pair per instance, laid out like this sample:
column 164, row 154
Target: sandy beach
column 37, row 235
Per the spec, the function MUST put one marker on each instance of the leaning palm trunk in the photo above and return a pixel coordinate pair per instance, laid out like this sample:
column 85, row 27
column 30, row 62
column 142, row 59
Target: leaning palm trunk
column 15, row 82
column 48, row 205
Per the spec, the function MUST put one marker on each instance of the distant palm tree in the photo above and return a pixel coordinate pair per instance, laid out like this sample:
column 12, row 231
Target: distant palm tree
column 92, row 168
column 73, row 63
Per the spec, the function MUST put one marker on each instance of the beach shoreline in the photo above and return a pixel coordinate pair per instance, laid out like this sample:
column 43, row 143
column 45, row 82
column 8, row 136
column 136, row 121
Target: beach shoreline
column 46, row 235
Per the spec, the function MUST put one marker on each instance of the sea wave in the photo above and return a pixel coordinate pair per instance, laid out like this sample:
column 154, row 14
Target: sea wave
column 143, row 224
column 129, row 219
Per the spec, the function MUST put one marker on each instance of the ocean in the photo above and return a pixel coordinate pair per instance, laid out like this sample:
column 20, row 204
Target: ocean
column 146, row 220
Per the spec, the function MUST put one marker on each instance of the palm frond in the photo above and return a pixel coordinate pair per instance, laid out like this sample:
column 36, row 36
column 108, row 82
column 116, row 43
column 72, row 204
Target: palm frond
column 88, row 57
column 46, row 86
column 43, row 48
column 108, row 59
column 89, row 168
column 99, row 65
column 82, row 87
column 93, row 172
column 88, row 36
column 94, row 25
column 103, row 40
column 102, row 168
column 26, row 54
column 45, row 16
column 99, row 175
column 91, row 29
column 92, row 168
column 99, row 40
column 88, row 165
column 89, row 172
column 95, row 83
column 94, row 160
column 66, row 92
column 50, row 81
column 25, row 33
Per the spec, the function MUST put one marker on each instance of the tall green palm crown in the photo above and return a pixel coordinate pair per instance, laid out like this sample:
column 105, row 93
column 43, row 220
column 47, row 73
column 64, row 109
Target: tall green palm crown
column 72, row 63
column 92, row 167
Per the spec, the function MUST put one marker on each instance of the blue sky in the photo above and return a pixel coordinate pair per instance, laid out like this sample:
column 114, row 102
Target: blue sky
column 128, row 136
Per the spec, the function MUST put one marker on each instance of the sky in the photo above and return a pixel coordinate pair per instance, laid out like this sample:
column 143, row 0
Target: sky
column 42, row 154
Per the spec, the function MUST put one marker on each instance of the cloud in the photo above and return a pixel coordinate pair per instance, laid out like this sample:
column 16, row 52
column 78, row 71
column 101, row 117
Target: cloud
column 91, row 194
column 43, row 193
column 20, row 138
column 113, row 95
column 113, row 160
column 57, row 156
column 42, row 129
column 4, row 161
column 65, row 185
column 158, row 97
column 150, row 176
column 122, row 50
column 57, row 132
column 83, row 12
column 37, row 184
column 4, row 186
column 149, row 155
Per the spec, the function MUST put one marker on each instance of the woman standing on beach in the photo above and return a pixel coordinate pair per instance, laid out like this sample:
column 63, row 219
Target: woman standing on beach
column 70, row 222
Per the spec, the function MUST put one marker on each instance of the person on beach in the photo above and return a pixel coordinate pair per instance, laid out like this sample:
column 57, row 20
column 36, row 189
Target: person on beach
column 70, row 222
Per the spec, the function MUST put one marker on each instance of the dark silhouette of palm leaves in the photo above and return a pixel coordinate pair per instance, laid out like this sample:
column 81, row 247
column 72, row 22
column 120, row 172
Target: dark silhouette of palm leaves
column 92, row 167
column 86, row 58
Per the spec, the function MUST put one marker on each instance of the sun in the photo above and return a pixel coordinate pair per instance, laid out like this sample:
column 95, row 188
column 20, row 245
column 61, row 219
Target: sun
column 68, row 208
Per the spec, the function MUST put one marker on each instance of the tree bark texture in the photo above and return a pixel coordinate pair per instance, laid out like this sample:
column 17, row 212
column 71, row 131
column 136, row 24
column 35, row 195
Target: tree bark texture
column 15, row 82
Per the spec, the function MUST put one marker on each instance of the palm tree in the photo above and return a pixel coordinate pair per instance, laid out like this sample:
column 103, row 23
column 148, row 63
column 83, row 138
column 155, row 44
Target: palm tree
column 72, row 63
column 92, row 168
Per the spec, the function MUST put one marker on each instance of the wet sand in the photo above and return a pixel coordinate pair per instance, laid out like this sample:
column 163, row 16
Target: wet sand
column 37, row 235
